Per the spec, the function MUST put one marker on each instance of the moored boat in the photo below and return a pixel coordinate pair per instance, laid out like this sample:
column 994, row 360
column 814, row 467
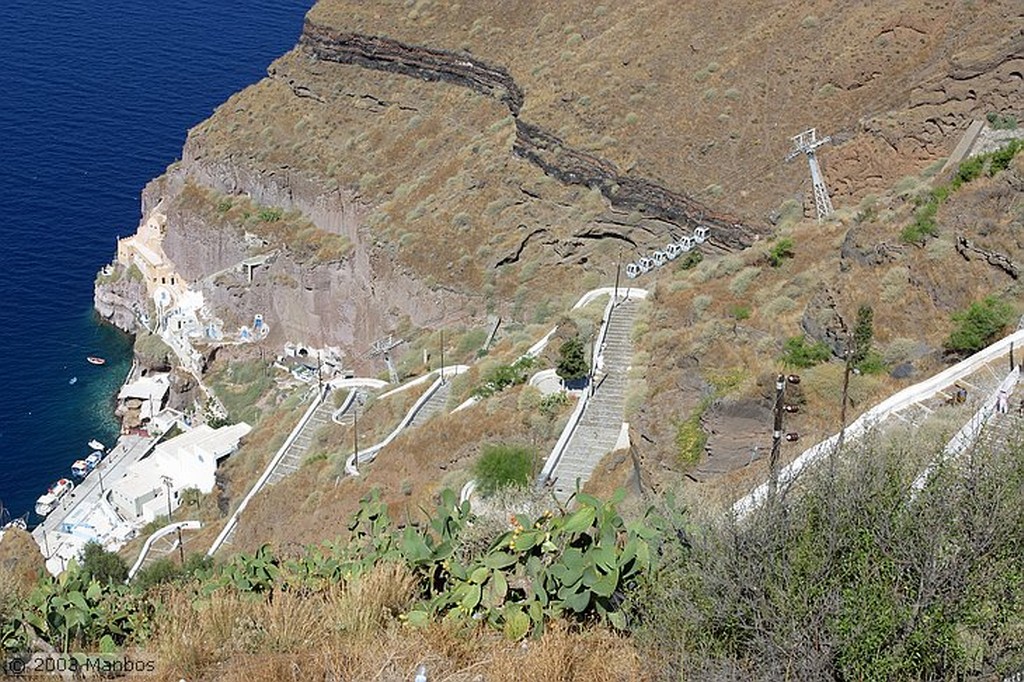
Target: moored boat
column 95, row 360
column 19, row 523
column 93, row 460
column 80, row 468
column 96, row 445
column 49, row 501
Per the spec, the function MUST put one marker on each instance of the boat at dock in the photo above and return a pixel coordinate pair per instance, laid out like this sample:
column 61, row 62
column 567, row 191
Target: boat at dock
column 95, row 360
column 83, row 467
column 49, row 501
column 96, row 445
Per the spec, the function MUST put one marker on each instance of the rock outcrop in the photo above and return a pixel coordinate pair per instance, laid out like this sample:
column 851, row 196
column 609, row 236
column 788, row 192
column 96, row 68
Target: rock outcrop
column 553, row 155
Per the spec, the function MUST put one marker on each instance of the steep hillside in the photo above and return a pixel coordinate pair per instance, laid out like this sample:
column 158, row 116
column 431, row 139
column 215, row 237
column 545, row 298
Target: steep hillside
column 412, row 166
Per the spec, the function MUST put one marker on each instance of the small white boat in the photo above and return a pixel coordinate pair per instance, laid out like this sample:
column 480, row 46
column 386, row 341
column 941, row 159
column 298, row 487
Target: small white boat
column 93, row 460
column 95, row 360
column 16, row 523
column 79, row 469
column 48, row 502
column 96, row 445
column 73, row 380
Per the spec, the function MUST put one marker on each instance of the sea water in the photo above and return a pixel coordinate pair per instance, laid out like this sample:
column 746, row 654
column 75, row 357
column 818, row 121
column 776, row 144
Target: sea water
column 95, row 100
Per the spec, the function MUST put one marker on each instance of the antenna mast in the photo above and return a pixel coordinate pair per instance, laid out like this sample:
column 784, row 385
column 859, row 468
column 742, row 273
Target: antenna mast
column 807, row 143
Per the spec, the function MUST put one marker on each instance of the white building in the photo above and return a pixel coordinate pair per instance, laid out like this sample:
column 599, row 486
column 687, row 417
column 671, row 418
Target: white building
column 186, row 461
column 151, row 391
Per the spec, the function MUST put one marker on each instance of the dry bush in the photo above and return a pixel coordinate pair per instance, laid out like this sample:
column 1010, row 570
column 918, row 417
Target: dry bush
column 351, row 632
column 365, row 604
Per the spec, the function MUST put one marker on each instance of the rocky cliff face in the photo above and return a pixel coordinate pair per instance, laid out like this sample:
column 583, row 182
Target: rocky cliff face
column 480, row 159
column 117, row 297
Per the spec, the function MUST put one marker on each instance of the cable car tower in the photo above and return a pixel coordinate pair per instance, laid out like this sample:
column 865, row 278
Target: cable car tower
column 384, row 347
column 807, row 143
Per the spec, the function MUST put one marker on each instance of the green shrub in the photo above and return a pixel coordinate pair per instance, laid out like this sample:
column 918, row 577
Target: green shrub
column 572, row 360
column 797, row 352
column 838, row 566
column 503, row 466
column 102, row 565
column 740, row 311
column 979, row 325
column 551, row 404
column 690, row 260
column 269, row 215
column 780, row 251
column 1001, row 121
column 500, row 377
column 924, row 224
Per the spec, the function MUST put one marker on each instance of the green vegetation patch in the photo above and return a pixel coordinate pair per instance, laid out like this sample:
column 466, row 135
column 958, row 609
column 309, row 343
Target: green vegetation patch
column 799, row 352
column 691, row 438
column 924, row 224
column 979, row 325
column 502, row 466
column 572, row 360
column 500, row 377
column 241, row 387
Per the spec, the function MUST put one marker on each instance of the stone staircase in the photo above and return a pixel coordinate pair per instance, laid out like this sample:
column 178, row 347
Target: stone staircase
column 601, row 422
column 434, row 404
column 296, row 452
column 1003, row 430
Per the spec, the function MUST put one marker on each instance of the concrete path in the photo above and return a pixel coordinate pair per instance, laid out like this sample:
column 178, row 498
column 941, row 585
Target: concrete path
column 601, row 422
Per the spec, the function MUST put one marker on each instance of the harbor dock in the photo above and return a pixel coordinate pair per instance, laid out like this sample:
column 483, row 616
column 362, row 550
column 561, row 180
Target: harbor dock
column 86, row 514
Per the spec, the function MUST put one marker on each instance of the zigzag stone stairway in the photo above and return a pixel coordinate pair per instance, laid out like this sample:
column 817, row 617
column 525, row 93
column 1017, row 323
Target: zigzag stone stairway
column 293, row 456
column 434, row 404
column 601, row 422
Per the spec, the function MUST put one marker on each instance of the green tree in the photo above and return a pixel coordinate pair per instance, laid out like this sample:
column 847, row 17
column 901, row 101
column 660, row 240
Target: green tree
column 503, row 466
column 572, row 360
column 979, row 325
column 104, row 566
column 863, row 334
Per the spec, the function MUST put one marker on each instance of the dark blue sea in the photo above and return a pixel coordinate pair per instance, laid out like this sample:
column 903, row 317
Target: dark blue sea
column 95, row 100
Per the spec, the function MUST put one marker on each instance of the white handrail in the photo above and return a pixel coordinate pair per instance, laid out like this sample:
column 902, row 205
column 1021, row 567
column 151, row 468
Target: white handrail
column 166, row 530
column 369, row 454
column 233, row 521
column 349, row 399
column 563, row 440
column 894, row 403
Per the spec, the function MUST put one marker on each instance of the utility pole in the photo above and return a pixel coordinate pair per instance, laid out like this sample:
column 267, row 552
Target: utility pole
column 355, row 432
column 773, row 459
column 618, row 269
column 846, row 390
column 384, row 347
column 780, row 409
column 181, row 548
column 807, row 143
